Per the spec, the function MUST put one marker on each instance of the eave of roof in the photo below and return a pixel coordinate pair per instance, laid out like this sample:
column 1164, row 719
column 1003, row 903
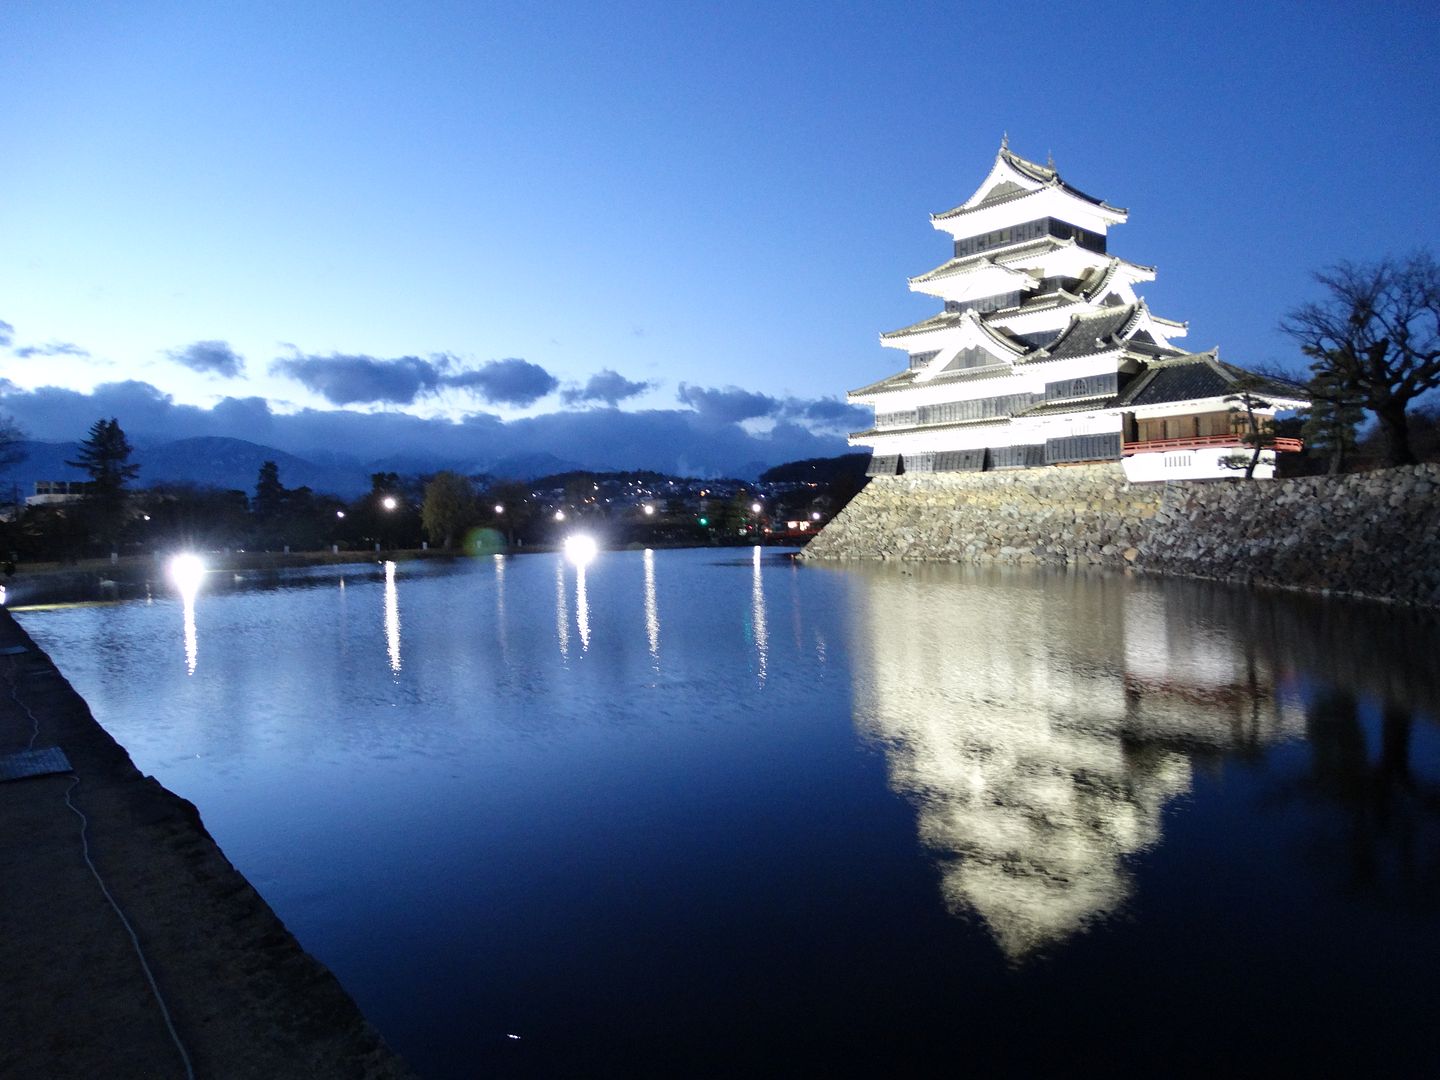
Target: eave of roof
column 1202, row 377
column 942, row 321
column 988, row 421
column 1052, row 184
column 1095, row 403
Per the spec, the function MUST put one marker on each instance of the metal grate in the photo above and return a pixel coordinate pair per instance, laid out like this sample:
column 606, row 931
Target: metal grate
column 41, row 762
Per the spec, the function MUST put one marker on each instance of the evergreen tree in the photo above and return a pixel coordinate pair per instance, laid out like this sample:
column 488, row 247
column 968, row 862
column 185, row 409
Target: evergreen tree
column 1331, row 420
column 269, row 492
column 105, row 457
column 11, row 437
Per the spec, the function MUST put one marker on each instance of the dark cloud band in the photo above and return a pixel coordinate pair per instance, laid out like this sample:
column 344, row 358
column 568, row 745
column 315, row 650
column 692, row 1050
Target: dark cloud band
column 609, row 387
column 54, row 348
column 367, row 380
column 212, row 357
column 676, row 440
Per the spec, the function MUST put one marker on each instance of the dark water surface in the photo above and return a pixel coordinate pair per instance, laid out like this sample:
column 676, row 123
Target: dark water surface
column 716, row 813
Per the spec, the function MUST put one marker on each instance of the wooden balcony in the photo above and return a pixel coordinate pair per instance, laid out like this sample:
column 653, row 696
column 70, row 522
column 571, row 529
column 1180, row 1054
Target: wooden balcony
column 1198, row 442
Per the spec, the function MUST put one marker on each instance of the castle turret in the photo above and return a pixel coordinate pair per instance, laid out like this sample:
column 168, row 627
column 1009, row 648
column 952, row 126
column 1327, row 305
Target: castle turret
column 1045, row 354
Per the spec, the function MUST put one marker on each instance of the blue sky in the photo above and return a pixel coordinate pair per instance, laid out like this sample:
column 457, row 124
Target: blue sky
column 711, row 207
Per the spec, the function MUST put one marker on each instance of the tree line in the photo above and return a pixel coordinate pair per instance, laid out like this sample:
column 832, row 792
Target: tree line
column 444, row 510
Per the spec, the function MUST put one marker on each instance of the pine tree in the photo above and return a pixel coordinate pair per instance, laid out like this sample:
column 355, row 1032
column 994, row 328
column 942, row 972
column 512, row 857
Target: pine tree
column 105, row 457
column 269, row 492
column 1331, row 420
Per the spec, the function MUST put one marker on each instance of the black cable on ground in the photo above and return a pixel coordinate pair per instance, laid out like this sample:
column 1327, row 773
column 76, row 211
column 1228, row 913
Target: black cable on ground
column 104, row 889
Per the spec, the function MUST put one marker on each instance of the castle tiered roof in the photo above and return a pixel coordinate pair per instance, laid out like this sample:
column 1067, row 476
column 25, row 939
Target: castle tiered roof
column 1192, row 376
column 1012, row 178
column 1043, row 338
column 1020, row 190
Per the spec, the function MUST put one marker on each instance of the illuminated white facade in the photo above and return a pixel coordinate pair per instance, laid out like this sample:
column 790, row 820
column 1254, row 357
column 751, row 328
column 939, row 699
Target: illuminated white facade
column 1045, row 354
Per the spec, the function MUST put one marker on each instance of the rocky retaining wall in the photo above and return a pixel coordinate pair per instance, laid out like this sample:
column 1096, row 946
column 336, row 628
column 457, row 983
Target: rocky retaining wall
column 1373, row 534
column 1082, row 514
column 1367, row 534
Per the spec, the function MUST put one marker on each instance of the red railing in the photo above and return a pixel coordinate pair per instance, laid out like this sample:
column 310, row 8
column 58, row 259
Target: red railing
column 1196, row 442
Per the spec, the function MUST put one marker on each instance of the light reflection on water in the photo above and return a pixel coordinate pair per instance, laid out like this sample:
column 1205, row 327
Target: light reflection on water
column 1009, row 796
column 758, row 629
column 392, row 618
column 562, row 611
column 188, row 592
column 652, row 610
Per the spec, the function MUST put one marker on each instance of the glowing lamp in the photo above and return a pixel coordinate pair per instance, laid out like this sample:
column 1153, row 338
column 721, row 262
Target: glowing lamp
column 187, row 571
column 581, row 549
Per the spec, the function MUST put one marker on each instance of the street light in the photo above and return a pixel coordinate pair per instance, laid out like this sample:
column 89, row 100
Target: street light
column 389, row 502
column 339, row 513
column 649, row 510
column 499, row 509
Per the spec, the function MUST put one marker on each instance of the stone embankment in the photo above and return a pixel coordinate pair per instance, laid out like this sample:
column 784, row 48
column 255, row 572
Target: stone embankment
column 244, row 998
column 1373, row 534
column 1083, row 514
column 1367, row 534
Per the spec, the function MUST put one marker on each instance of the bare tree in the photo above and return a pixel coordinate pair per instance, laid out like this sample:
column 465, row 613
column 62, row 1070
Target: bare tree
column 1376, row 338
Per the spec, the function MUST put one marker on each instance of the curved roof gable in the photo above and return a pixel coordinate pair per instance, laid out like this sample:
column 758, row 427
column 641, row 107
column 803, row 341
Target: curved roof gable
column 1013, row 177
column 1204, row 376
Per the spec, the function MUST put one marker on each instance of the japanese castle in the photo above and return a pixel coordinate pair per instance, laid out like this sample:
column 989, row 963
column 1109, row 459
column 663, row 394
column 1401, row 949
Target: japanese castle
column 1046, row 355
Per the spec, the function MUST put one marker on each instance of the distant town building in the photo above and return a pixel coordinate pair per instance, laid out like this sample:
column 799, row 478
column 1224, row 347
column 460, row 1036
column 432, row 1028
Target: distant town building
column 1045, row 354
column 48, row 492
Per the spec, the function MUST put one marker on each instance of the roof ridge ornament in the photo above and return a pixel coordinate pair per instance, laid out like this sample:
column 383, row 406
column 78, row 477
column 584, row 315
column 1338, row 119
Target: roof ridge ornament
column 1005, row 140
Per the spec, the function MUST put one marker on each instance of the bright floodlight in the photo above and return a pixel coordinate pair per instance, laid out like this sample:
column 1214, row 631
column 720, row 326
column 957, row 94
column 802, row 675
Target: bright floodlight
column 649, row 509
column 339, row 513
column 580, row 549
column 559, row 515
column 815, row 516
column 389, row 502
column 187, row 571
column 499, row 509
column 755, row 508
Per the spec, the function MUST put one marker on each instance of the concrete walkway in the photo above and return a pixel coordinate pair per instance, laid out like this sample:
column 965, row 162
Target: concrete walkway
column 245, row 1000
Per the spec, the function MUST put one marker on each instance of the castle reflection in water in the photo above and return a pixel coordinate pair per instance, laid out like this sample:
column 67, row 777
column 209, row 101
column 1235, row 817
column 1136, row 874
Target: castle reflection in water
column 1040, row 725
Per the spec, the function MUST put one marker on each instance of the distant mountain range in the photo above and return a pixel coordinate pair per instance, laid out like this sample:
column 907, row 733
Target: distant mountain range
column 213, row 461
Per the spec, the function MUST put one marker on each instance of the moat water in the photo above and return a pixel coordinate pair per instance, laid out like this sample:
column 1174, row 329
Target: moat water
column 718, row 813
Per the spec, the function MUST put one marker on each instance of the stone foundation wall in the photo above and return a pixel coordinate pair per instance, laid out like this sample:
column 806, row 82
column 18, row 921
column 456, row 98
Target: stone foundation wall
column 1082, row 514
column 1373, row 534
column 1368, row 534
